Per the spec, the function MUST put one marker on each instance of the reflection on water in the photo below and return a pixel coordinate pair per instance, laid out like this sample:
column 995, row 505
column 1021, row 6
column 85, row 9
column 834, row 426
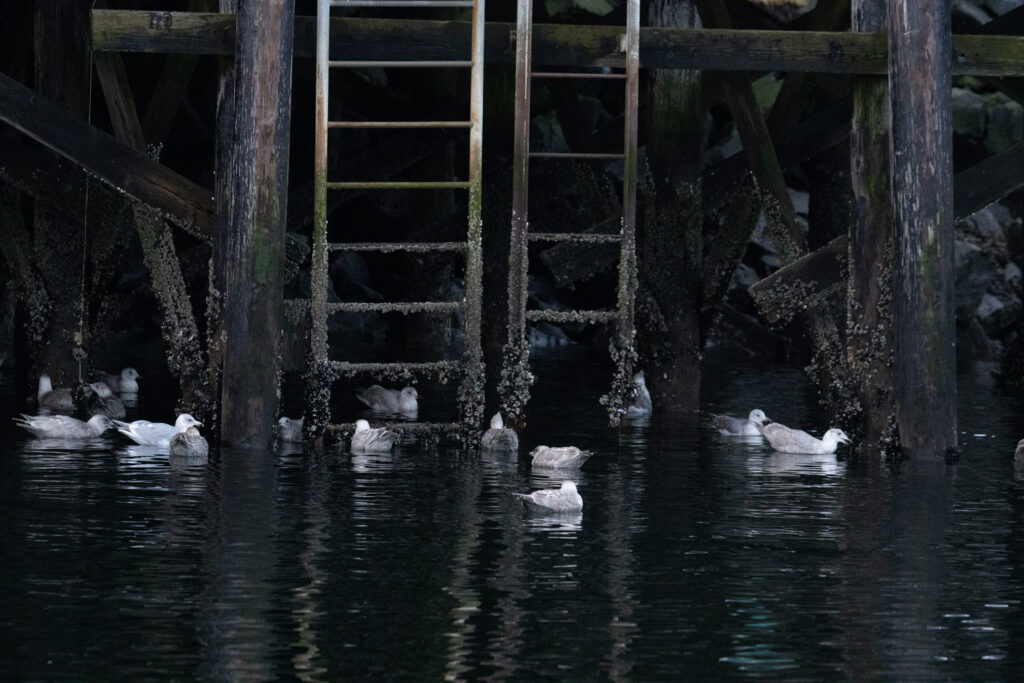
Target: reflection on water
column 695, row 555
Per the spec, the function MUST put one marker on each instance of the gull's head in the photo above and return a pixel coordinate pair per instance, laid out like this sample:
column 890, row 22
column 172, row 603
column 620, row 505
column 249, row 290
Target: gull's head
column 101, row 389
column 185, row 421
column 362, row 426
column 569, row 486
column 838, row 435
column 496, row 421
column 410, row 392
column 757, row 415
column 130, row 373
column 639, row 380
column 45, row 384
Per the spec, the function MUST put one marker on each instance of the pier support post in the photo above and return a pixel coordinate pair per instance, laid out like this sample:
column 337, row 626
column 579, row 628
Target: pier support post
column 920, row 60
column 251, row 252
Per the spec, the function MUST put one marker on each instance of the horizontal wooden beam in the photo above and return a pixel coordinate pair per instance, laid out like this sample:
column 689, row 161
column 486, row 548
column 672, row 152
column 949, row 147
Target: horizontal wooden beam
column 554, row 45
column 178, row 198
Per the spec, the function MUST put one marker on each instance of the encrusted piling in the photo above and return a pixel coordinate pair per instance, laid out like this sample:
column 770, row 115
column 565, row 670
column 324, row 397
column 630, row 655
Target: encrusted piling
column 920, row 58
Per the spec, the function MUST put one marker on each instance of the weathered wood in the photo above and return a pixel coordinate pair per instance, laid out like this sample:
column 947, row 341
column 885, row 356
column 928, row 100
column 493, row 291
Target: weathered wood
column 179, row 199
column 117, row 93
column 802, row 284
column 920, row 54
column 988, row 181
column 869, row 338
column 567, row 45
column 253, row 274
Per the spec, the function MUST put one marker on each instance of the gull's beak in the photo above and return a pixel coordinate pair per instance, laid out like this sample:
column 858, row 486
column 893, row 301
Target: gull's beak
column 845, row 439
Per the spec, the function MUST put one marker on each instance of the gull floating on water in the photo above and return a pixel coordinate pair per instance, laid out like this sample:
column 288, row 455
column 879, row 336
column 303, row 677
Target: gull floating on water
column 124, row 383
column 738, row 426
column 290, row 430
column 565, row 499
column 146, row 433
column 561, row 457
column 189, row 444
column 1018, row 455
column 499, row 437
column 383, row 400
column 104, row 402
column 54, row 399
column 786, row 440
column 367, row 439
column 642, row 403
column 64, row 427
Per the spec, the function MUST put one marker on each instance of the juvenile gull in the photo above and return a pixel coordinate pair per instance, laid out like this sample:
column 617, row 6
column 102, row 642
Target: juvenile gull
column 786, row 440
column 737, row 426
column 561, row 457
column 642, row 403
column 383, row 400
column 54, row 399
column 290, row 430
column 368, row 439
column 64, row 427
column 124, row 383
column 565, row 499
column 499, row 437
column 146, row 433
column 104, row 402
column 189, row 444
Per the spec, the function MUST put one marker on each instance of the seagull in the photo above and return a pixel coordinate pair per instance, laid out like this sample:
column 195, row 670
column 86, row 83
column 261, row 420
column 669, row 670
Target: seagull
column 381, row 400
column 499, row 437
column 368, row 439
column 1018, row 455
column 146, row 433
column 290, row 430
column 189, row 444
column 642, row 403
column 565, row 499
column 562, row 457
column 786, row 440
column 104, row 402
column 54, row 399
column 737, row 426
column 124, row 383
column 64, row 427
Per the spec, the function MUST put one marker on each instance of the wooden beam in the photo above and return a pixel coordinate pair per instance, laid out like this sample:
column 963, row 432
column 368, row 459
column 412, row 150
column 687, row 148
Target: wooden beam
column 920, row 51
column 182, row 201
column 554, row 45
column 805, row 282
column 988, row 181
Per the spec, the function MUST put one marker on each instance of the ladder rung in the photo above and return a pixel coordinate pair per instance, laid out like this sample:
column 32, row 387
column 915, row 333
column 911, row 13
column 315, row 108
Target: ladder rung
column 574, row 155
column 401, row 3
column 399, row 185
column 394, row 307
column 340, row 367
column 388, row 247
column 399, row 124
column 601, row 237
column 571, row 316
column 442, row 63
column 569, row 74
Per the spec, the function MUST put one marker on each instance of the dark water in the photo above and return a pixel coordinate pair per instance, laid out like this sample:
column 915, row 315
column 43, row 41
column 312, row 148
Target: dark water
column 695, row 557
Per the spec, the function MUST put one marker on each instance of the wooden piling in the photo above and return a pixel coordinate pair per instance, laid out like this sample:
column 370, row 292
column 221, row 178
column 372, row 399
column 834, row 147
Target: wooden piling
column 920, row 58
column 255, row 246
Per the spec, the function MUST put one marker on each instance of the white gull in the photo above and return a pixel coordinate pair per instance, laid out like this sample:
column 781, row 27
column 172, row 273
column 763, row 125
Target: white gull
column 146, row 433
column 564, row 499
column 738, row 426
column 290, row 429
column 786, row 440
column 499, row 437
column 382, row 400
column 642, row 403
column 124, row 383
column 367, row 439
column 559, row 457
column 64, row 427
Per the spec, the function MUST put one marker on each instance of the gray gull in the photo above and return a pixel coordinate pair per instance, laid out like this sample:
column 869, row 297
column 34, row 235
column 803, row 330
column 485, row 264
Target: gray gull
column 54, row 399
column 104, row 402
column 1018, row 455
column 737, row 426
column 786, row 440
column 499, row 437
column 642, row 403
column 290, row 430
column 189, row 444
column 146, row 433
column 124, row 383
column 64, row 427
column 368, row 439
column 383, row 400
column 561, row 457
column 565, row 499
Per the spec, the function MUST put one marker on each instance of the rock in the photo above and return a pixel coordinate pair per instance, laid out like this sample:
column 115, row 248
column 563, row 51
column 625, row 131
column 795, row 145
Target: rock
column 998, row 315
column 985, row 223
column 1004, row 124
column 975, row 270
column 968, row 113
column 1012, row 275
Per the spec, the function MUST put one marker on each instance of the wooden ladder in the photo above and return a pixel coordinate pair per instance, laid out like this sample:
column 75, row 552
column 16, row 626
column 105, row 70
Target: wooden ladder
column 516, row 375
column 322, row 370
